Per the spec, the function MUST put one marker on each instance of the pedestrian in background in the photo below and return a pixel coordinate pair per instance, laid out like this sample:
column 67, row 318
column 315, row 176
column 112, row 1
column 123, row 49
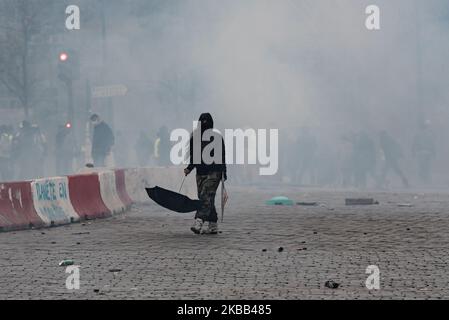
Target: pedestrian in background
column 102, row 140
column 143, row 148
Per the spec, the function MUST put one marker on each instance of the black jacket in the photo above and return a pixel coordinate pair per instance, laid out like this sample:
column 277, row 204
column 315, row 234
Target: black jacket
column 202, row 168
column 103, row 139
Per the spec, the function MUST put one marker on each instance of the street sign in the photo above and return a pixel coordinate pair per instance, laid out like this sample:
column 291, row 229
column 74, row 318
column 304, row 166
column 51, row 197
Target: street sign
column 118, row 90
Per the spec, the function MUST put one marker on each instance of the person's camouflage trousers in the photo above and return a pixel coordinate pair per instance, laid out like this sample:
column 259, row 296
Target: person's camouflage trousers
column 207, row 188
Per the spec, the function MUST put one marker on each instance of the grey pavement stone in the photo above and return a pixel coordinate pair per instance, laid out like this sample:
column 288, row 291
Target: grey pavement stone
column 160, row 258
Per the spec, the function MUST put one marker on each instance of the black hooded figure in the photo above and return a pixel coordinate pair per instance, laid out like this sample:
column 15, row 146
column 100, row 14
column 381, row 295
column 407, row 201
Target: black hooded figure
column 102, row 140
column 209, row 172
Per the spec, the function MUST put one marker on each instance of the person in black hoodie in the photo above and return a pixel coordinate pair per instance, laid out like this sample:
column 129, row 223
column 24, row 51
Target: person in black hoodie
column 209, row 172
column 102, row 140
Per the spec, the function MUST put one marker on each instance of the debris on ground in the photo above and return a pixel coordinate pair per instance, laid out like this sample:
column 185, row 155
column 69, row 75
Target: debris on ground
column 307, row 204
column 405, row 205
column 280, row 249
column 65, row 263
column 279, row 201
column 80, row 233
column 360, row 201
column 323, row 205
column 264, row 250
column 331, row 284
column 115, row 270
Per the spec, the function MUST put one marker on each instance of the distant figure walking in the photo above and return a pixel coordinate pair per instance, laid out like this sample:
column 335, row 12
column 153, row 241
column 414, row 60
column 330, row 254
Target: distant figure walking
column 29, row 151
column 364, row 159
column 392, row 153
column 102, row 140
column 144, row 148
column 306, row 148
column 65, row 151
column 424, row 151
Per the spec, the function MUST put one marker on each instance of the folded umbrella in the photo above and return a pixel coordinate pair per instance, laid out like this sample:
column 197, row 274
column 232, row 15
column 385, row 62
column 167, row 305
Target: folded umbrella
column 172, row 200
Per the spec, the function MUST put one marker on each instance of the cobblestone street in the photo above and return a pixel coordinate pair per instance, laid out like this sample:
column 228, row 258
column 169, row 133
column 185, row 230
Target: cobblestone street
column 156, row 256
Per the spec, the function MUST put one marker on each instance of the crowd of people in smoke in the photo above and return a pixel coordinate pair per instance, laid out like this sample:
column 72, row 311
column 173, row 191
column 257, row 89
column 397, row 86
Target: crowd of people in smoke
column 361, row 160
column 357, row 160
column 26, row 152
column 22, row 151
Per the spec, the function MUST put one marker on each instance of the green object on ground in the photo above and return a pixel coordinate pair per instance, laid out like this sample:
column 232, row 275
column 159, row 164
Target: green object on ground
column 279, row 201
column 65, row 263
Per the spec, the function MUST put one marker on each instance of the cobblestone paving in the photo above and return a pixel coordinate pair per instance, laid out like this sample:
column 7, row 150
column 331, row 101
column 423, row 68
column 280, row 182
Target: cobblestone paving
column 160, row 258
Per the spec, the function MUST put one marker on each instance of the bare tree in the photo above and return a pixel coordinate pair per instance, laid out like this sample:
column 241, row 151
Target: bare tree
column 25, row 27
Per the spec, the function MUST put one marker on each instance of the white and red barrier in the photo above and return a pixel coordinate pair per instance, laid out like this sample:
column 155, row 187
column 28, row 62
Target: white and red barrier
column 51, row 201
column 17, row 208
column 135, row 183
column 108, row 192
column 62, row 200
column 121, row 188
column 85, row 194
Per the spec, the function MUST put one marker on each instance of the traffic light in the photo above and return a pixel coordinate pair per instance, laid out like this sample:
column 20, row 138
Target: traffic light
column 68, row 72
column 63, row 56
column 68, row 66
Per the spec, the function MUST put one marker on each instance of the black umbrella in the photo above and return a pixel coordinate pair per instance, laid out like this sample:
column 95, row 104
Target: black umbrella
column 172, row 200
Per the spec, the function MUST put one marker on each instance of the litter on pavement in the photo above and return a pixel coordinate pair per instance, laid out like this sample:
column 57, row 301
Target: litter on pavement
column 360, row 201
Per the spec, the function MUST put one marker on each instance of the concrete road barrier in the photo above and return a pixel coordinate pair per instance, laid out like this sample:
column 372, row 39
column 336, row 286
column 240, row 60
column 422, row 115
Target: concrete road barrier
column 85, row 194
column 108, row 192
column 17, row 208
column 94, row 194
column 52, row 202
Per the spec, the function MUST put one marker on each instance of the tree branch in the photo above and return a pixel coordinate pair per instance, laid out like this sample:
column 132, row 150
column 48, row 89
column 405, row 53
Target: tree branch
column 9, row 87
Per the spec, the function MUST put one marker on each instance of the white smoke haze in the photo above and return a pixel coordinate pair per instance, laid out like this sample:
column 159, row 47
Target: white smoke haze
column 284, row 64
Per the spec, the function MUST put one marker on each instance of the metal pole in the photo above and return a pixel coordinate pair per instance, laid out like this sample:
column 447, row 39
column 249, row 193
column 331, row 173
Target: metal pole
column 70, row 112
column 109, row 105
column 103, row 33
column 87, row 143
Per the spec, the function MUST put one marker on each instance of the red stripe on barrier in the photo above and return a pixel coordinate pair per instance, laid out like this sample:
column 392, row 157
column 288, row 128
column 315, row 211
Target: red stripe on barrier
column 16, row 207
column 121, row 187
column 85, row 196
